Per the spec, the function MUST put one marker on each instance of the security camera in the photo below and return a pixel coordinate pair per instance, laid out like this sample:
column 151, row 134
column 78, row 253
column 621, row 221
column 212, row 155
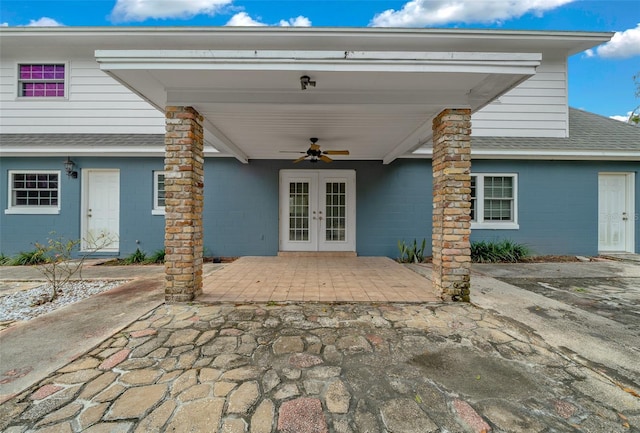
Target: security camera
column 305, row 81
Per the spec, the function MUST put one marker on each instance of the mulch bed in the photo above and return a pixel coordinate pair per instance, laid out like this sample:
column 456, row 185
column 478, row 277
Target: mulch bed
column 123, row 262
column 547, row 259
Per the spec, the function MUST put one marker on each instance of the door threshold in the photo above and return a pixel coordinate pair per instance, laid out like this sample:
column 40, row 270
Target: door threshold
column 317, row 254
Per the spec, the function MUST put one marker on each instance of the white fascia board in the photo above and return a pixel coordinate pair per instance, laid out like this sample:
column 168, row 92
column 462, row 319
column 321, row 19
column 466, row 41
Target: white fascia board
column 609, row 155
column 396, row 61
column 159, row 55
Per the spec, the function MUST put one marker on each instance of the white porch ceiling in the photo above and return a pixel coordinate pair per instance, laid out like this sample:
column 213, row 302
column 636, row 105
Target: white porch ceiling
column 378, row 105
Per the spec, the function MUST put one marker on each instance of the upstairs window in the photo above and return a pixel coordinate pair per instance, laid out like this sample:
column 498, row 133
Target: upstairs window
column 41, row 80
column 34, row 192
column 494, row 201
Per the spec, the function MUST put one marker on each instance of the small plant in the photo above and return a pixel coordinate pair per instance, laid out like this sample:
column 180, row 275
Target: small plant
column 411, row 253
column 504, row 251
column 29, row 258
column 4, row 260
column 57, row 266
column 137, row 257
column 157, row 257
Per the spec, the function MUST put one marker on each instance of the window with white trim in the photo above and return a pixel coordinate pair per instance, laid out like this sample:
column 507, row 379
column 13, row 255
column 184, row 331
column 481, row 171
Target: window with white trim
column 34, row 192
column 42, row 80
column 494, row 201
column 158, row 193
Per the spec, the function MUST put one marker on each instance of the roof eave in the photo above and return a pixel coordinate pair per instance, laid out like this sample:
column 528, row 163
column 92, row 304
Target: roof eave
column 591, row 155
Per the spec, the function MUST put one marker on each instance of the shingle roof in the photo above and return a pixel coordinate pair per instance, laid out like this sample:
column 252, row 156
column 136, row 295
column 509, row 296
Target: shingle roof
column 83, row 140
column 587, row 132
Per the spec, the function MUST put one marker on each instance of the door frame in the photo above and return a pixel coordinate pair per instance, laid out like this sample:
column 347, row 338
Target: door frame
column 84, row 203
column 630, row 205
column 320, row 176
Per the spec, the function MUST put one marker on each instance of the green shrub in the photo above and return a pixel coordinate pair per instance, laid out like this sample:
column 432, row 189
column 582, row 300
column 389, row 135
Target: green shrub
column 136, row 257
column 4, row 260
column 157, row 257
column 29, row 258
column 411, row 253
column 504, row 251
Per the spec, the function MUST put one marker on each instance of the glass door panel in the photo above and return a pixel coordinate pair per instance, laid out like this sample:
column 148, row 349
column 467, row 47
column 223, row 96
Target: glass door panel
column 317, row 210
column 335, row 215
column 298, row 211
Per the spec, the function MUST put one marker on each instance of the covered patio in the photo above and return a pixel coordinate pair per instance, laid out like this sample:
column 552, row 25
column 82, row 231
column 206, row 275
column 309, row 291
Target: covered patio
column 380, row 93
column 316, row 279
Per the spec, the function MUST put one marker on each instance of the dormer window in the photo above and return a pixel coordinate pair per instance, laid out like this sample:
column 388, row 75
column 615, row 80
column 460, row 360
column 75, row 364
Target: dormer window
column 41, row 80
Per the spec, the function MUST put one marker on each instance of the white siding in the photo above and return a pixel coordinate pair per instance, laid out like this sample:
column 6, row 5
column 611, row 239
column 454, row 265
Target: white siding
column 536, row 108
column 96, row 103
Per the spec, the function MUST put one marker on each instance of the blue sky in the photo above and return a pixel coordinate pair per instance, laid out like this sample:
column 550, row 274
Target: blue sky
column 599, row 81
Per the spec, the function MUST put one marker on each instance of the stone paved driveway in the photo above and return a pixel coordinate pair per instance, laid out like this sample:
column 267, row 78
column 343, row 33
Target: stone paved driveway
column 323, row 368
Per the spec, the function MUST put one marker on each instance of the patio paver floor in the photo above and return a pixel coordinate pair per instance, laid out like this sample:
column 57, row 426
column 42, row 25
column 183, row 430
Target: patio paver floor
column 316, row 279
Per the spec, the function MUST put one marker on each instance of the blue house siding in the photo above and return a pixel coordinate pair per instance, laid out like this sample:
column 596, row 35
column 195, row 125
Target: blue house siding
column 20, row 232
column 557, row 204
column 241, row 205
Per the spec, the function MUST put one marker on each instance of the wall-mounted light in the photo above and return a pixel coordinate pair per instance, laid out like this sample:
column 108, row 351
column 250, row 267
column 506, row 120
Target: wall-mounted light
column 305, row 81
column 68, row 168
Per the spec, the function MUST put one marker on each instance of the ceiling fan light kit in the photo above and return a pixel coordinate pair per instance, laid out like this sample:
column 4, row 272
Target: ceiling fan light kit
column 315, row 154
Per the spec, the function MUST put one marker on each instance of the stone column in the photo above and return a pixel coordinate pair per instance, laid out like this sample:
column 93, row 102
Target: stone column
column 184, row 179
column 452, row 204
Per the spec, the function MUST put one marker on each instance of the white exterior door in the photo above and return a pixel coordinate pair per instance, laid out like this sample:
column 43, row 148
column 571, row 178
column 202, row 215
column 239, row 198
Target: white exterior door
column 317, row 210
column 101, row 209
column 615, row 212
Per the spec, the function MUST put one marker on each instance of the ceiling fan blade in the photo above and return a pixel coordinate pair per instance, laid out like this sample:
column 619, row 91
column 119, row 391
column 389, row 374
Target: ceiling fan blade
column 300, row 159
column 291, row 151
column 336, row 152
column 325, row 158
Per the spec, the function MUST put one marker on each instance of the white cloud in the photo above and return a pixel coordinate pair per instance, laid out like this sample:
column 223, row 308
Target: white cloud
column 622, row 45
column 44, row 22
column 140, row 10
column 420, row 13
column 242, row 19
column 4, row 24
column 624, row 118
column 620, row 118
column 299, row 21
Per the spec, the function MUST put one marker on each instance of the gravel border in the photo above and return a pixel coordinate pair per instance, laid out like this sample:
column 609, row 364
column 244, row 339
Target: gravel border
column 21, row 305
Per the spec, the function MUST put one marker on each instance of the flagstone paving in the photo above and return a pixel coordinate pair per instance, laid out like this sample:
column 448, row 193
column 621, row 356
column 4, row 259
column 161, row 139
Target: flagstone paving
column 323, row 368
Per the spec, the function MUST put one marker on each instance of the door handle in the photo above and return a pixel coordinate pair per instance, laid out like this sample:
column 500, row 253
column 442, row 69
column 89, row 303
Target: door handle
column 624, row 216
column 89, row 213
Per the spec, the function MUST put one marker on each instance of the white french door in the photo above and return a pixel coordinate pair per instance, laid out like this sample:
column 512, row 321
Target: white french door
column 317, row 210
column 616, row 212
column 101, row 209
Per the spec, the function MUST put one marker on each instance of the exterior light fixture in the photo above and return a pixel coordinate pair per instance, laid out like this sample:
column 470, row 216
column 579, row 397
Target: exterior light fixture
column 305, row 81
column 68, row 168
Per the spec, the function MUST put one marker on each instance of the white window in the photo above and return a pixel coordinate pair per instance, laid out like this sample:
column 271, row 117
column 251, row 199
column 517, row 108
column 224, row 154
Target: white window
column 33, row 192
column 42, row 80
column 494, row 201
column 158, row 193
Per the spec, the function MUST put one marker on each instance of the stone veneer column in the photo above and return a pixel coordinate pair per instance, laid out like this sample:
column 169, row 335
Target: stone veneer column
column 183, row 182
column 452, row 204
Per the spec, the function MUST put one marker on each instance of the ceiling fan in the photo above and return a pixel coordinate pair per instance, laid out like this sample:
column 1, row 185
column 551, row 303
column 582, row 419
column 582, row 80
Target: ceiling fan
column 316, row 154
